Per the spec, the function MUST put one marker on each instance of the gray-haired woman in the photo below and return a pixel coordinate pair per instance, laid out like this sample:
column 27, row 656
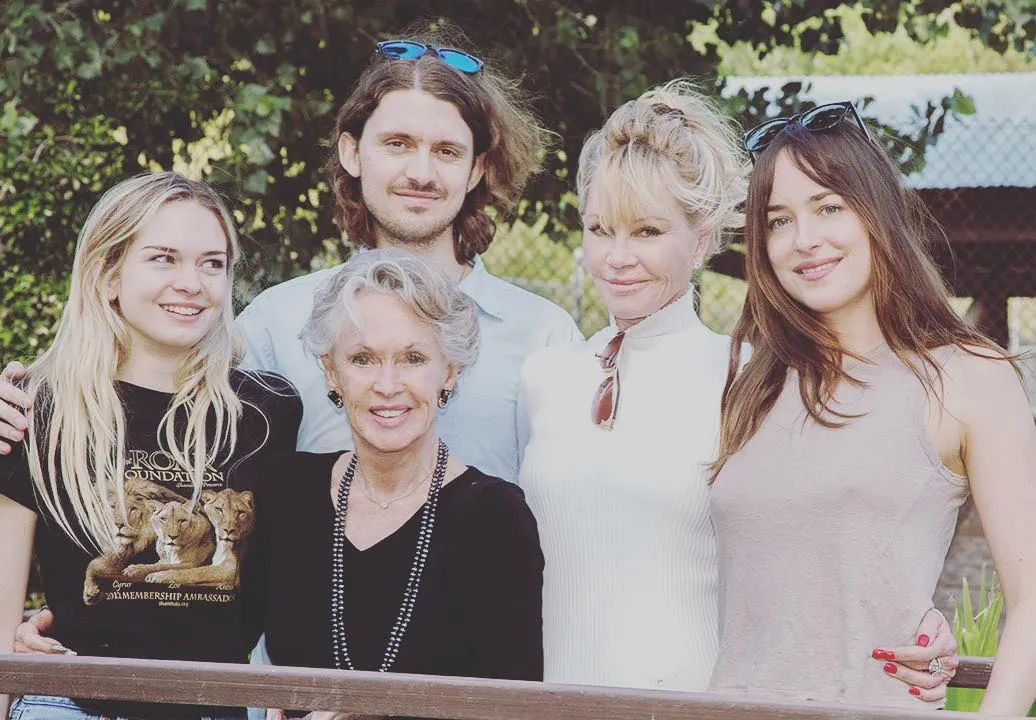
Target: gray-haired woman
column 395, row 556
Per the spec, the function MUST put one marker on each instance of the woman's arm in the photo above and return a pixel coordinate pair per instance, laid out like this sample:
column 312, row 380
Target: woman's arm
column 17, row 524
column 998, row 448
column 503, row 598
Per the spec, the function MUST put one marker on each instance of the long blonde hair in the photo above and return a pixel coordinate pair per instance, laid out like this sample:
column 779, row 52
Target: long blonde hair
column 77, row 427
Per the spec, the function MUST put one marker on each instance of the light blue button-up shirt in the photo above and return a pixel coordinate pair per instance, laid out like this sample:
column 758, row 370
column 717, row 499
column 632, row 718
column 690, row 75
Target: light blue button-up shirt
column 480, row 424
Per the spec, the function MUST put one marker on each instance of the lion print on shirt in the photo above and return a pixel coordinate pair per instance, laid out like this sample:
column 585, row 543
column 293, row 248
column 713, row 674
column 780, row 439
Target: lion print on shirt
column 166, row 549
column 185, row 539
column 232, row 515
column 133, row 533
column 162, row 540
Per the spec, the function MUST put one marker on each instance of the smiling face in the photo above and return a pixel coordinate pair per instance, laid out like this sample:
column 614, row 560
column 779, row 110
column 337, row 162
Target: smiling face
column 416, row 163
column 389, row 372
column 173, row 282
column 818, row 247
column 641, row 264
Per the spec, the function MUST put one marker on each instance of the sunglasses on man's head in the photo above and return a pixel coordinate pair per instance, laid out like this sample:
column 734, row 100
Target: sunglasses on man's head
column 820, row 118
column 410, row 50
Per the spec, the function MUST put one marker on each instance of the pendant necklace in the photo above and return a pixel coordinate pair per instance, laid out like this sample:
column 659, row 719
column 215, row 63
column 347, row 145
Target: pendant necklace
column 384, row 505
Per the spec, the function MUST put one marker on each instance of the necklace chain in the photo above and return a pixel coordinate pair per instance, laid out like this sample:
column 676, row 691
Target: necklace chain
column 384, row 505
column 406, row 609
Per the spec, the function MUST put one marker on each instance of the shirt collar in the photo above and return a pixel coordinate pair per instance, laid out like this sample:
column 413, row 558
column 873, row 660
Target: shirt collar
column 674, row 317
column 479, row 286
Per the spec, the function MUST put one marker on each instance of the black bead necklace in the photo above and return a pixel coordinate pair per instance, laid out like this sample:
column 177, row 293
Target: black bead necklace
column 406, row 609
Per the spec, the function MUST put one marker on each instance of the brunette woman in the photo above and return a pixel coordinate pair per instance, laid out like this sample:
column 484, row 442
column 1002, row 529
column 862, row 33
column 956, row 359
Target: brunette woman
column 866, row 414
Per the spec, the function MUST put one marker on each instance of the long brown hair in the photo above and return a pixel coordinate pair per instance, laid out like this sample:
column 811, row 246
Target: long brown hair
column 911, row 299
column 505, row 131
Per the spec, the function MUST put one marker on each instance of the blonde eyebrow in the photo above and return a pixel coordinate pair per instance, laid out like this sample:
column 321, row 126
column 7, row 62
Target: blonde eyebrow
column 175, row 251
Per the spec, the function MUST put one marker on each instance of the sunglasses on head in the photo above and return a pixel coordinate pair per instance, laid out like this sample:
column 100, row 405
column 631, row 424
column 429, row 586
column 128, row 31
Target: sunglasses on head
column 820, row 118
column 409, row 50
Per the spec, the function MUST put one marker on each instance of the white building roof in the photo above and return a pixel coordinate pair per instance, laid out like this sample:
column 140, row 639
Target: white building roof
column 995, row 147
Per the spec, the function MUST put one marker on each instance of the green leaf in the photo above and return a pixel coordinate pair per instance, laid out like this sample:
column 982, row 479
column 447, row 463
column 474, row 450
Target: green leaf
column 264, row 47
column 154, row 21
column 961, row 104
column 256, row 182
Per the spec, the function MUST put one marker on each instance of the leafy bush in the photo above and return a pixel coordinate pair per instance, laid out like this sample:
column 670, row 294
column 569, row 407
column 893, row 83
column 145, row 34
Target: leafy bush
column 30, row 306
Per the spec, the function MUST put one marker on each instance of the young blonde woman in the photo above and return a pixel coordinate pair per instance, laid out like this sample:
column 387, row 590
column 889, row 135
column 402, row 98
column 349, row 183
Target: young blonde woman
column 621, row 429
column 866, row 414
column 134, row 486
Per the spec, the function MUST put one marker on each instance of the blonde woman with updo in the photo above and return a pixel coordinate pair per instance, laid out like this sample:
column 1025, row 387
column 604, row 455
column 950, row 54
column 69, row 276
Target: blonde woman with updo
column 135, row 485
column 619, row 431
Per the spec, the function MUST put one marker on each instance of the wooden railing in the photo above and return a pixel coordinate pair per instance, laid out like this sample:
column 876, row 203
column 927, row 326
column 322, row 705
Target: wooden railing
column 411, row 695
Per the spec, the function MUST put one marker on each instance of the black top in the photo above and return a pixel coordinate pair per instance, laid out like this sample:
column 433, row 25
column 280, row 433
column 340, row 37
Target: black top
column 126, row 604
column 478, row 609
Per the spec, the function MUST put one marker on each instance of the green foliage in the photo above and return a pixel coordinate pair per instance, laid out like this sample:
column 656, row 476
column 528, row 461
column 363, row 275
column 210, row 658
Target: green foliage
column 912, row 47
column 977, row 629
column 99, row 90
column 29, row 308
column 244, row 93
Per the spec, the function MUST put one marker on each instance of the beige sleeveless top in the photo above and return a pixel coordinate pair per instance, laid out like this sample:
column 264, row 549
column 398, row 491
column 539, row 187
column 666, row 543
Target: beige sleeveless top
column 831, row 540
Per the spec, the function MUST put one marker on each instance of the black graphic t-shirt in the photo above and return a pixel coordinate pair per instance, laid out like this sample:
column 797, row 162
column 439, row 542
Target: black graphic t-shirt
column 171, row 589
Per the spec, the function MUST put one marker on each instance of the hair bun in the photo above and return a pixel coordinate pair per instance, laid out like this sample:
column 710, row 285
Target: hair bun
column 676, row 136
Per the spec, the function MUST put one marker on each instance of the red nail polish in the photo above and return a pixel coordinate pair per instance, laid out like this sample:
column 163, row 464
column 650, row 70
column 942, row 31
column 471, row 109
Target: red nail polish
column 923, row 640
column 915, row 692
column 889, row 668
column 880, row 654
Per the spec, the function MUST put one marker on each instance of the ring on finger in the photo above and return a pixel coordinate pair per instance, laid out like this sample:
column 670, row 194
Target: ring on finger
column 935, row 667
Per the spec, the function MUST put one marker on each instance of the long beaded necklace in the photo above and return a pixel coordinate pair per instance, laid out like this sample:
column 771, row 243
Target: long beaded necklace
column 406, row 609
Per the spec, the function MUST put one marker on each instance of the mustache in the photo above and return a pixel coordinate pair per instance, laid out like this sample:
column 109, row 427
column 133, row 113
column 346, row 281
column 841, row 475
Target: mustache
column 430, row 188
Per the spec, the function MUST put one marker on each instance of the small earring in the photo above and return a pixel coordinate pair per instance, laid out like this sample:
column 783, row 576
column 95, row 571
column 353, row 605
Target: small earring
column 335, row 398
column 444, row 397
column 698, row 264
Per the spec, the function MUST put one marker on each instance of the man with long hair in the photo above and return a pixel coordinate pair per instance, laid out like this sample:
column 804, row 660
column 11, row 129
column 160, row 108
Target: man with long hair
column 427, row 144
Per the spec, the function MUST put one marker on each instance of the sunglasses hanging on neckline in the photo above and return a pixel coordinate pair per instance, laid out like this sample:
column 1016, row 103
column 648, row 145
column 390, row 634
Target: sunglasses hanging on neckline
column 606, row 400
